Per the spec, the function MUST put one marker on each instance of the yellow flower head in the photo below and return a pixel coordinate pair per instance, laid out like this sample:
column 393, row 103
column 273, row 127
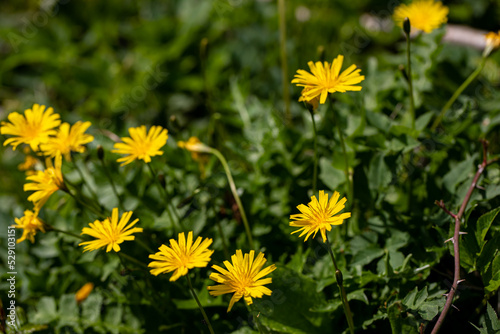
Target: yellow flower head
column 319, row 215
column 29, row 162
column 425, row 15
column 33, row 128
column 326, row 78
column 84, row 292
column 110, row 232
column 68, row 139
column 45, row 183
column 30, row 223
column 492, row 42
column 181, row 256
column 141, row 144
column 195, row 146
column 314, row 103
column 243, row 277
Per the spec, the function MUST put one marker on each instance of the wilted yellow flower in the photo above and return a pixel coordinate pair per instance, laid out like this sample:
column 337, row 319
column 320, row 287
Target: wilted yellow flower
column 34, row 128
column 181, row 256
column 84, row 292
column 29, row 161
column 68, row 139
column 319, row 215
column 45, row 183
column 326, row 78
column 243, row 277
column 425, row 15
column 141, row 144
column 195, row 146
column 492, row 42
column 110, row 232
column 30, row 223
column 314, row 102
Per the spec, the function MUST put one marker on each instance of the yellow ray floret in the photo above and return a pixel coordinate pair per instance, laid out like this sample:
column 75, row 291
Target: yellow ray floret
column 110, row 232
column 33, row 128
column 243, row 277
column 325, row 78
column 319, row 215
column 141, row 144
column 425, row 15
column 68, row 139
column 45, row 183
column 181, row 256
column 30, row 223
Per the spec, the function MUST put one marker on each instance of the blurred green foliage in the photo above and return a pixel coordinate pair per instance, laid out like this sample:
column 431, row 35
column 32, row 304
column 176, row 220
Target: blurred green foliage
column 212, row 69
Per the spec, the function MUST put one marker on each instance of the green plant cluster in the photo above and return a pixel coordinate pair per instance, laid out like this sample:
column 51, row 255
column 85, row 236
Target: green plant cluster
column 212, row 69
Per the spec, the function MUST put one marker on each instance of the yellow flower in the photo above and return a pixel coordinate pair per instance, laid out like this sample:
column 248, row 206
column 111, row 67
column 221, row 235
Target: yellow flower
column 67, row 140
column 30, row 223
column 195, row 146
column 243, row 277
column 141, row 145
column 110, row 232
column 492, row 42
column 326, row 78
column 314, row 103
column 319, row 215
column 84, row 292
column 29, row 162
column 425, row 15
column 181, row 256
column 33, row 128
column 45, row 183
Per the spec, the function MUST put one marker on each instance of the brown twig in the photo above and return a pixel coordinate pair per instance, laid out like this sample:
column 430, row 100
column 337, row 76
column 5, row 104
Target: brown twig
column 456, row 235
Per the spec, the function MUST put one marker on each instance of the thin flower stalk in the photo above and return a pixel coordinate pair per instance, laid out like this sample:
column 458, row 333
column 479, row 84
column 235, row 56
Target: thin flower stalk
column 112, row 182
column 348, row 178
column 340, row 282
column 199, row 305
column 235, row 194
column 407, row 30
column 456, row 235
column 168, row 202
column 315, row 170
column 195, row 146
column 457, row 93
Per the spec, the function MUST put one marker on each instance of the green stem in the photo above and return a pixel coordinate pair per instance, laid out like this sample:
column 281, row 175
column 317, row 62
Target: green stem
column 143, row 245
column 86, row 204
column 84, row 180
column 458, row 92
column 339, row 279
column 132, row 259
column 348, row 178
column 284, row 63
column 108, row 175
column 255, row 316
column 52, row 228
column 165, row 197
column 221, row 231
column 199, row 304
column 410, row 80
column 315, row 134
column 234, row 192
column 346, row 163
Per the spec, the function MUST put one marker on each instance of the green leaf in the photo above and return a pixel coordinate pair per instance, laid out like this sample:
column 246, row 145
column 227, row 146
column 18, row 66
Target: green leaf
column 291, row 307
column 379, row 175
column 329, row 175
column 91, row 308
column 491, row 323
column 46, row 311
column 458, row 173
column 483, row 225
